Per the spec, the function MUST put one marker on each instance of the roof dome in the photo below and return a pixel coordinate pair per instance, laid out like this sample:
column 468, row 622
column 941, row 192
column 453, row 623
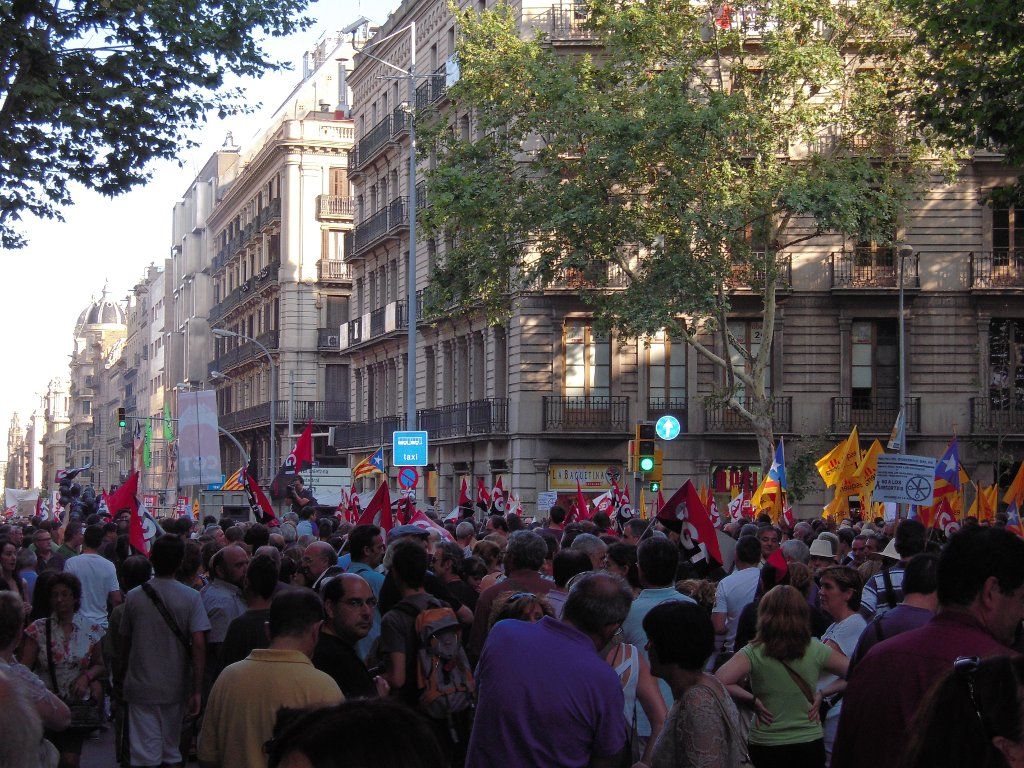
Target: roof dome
column 102, row 311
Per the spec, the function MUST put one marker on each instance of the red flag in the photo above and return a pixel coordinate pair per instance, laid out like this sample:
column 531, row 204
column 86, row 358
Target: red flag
column 420, row 520
column 299, row 459
column 261, row 506
column 684, row 510
column 582, row 507
column 483, row 496
column 498, row 501
column 378, row 511
column 141, row 523
column 464, row 500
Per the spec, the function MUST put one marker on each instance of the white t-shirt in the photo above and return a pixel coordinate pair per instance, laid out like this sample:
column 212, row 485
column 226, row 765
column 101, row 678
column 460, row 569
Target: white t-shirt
column 845, row 634
column 99, row 578
column 735, row 592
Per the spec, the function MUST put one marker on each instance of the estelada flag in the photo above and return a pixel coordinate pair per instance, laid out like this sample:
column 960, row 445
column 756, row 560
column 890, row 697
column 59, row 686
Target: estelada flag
column 299, row 459
column 142, row 528
column 684, row 513
column 378, row 511
column 234, row 481
column 372, row 463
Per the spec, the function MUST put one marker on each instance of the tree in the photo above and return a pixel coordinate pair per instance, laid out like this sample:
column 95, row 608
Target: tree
column 91, row 92
column 684, row 157
column 972, row 71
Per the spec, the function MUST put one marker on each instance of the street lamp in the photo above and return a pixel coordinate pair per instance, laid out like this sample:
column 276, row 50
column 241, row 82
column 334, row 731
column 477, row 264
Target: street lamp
column 409, row 75
column 903, row 252
column 223, row 332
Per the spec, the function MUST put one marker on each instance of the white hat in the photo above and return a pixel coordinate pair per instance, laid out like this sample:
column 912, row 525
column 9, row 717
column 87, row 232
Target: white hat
column 822, row 548
column 890, row 550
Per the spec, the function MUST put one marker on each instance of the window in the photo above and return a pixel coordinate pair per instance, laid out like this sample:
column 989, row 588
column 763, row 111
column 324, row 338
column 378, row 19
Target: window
column 1006, row 364
column 430, row 383
column 500, row 362
column 666, row 371
column 336, row 384
column 479, row 367
column 874, row 363
column 587, row 361
column 748, row 333
column 339, row 182
column 86, row 407
column 333, row 245
column 1007, row 234
column 449, row 373
column 873, row 254
column 337, row 311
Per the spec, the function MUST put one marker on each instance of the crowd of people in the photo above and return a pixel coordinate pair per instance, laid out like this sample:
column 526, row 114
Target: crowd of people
column 509, row 642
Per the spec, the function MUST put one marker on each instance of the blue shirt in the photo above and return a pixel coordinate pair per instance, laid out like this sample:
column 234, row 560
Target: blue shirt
column 526, row 721
column 633, row 632
column 376, row 581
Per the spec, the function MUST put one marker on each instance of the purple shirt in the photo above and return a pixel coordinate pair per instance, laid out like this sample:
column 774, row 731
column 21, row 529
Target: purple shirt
column 887, row 687
column 900, row 619
column 544, row 698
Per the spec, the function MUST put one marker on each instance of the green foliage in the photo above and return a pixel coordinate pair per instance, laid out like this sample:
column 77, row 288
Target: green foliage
column 91, row 92
column 972, row 57
column 677, row 161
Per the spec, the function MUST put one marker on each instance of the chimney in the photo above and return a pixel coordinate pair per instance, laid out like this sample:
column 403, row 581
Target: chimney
column 343, row 111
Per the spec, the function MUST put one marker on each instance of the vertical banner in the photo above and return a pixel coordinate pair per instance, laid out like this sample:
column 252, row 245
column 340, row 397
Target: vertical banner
column 198, row 444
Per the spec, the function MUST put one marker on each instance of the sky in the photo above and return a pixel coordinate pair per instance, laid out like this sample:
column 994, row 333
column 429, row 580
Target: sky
column 50, row 281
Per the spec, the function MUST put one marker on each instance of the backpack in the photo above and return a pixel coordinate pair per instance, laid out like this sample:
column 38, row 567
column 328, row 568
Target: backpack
column 444, row 678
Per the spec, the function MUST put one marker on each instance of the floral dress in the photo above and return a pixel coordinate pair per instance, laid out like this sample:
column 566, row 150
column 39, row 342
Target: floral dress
column 71, row 651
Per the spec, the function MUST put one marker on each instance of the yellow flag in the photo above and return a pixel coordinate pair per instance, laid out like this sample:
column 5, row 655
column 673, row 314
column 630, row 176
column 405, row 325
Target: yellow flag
column 1015, row 493
column 836, row 509
column 862, row 481
column 643, row 505
column 841, row 462
column 986, row 501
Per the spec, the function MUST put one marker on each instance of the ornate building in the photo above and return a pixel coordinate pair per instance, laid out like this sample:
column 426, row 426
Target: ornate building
column 99, row 329
column 55, row 408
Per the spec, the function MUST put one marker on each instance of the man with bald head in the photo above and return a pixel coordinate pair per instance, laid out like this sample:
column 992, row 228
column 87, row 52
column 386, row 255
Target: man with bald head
column 223, row 601
column 350, row 605
column 320, row 564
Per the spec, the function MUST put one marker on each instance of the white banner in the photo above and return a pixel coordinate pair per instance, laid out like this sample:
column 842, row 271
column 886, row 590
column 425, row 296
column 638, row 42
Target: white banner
column 198, row 443
column 905, row 479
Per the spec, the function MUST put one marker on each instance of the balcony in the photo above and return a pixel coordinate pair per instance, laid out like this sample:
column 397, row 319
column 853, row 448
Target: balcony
column 399, row 122
column 248, row 289
column 375, row 140
column 569, row 23
column 566, row 413
column 355, row 331
column 997, row 270
column 477, row 417
column 746, row 277
column 333, row 271
column 270, row 214
column 243, row 353
column 335, row 208
column 432, row 89
column 874, row 415
column 366, row 434
column 385, row 224
column 719, row 417
column 862, row 269
column 320, row 411
column 593, row 276
column 328, row 339
column 997, row 416
column 668, row 406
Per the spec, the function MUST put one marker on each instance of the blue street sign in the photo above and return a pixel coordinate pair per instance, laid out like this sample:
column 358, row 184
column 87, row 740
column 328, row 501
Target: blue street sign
column 409, row 449
column 667, row 427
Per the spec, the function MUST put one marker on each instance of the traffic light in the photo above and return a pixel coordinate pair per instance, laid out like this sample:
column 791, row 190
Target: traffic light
column 122, row 419
column 655, row 487
column 654, row 475
column 644, row 447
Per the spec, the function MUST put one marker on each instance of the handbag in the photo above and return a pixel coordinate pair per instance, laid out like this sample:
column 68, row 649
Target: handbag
column 736, row 735
column 85, row 716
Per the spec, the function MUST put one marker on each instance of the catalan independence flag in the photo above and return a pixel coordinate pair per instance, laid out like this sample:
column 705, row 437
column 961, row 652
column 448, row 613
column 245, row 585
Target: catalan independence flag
column 235, row 481
column 369, row 465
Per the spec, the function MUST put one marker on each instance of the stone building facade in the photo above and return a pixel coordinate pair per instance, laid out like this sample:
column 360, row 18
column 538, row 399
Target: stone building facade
column 543, row 399
column 278, row 270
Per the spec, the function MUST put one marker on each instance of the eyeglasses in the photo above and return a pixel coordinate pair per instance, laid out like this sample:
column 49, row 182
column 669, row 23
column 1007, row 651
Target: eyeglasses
column 355, row 602
column 967, row 667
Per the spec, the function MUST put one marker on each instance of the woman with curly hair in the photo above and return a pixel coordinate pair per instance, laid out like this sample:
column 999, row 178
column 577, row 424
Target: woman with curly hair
column 784, row 664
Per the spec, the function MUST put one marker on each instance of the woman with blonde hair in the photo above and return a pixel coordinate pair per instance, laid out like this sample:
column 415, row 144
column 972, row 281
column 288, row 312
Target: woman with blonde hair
column 784, row 664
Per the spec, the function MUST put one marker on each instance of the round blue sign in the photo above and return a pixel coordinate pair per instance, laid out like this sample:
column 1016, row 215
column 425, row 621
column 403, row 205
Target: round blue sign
column 408, row 478
column 667, row 427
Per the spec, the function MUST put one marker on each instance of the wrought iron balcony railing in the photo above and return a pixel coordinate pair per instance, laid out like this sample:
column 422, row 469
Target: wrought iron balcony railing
column 866, row 269
column 477, row 417
column 874, row 415
column 1002, row 414
column 569, row 413
column 719, row 417
column 997, row 269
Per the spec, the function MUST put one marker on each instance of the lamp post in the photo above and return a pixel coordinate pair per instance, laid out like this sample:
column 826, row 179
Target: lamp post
column 903, row 252
column 273, row 388
column 409, row 75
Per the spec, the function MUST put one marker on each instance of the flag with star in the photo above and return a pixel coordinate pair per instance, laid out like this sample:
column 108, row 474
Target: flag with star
column 947, row 472
column 771, row 493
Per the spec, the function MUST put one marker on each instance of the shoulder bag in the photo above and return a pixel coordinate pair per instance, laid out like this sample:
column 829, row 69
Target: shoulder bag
column 85, row 715
column 158, row 603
